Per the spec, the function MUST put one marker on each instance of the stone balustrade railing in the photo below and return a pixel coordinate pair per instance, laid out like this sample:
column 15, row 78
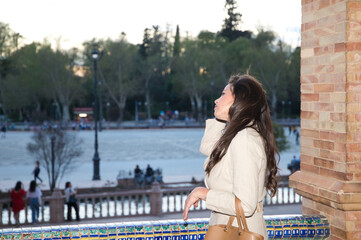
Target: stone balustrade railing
column 292, row 227
column 154, row 202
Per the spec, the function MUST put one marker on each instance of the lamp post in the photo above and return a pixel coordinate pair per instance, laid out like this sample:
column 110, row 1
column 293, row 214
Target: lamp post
column 136, row 112
column 100, row 107
column 96, row 159
column 290, row 108
column 52, row 141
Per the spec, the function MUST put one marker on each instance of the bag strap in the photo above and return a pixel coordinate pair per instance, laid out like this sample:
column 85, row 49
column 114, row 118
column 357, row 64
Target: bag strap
column 241, row 219
column 229, row 224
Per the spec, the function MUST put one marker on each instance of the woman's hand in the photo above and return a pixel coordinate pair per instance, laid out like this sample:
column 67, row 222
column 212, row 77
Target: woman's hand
column 199, row 193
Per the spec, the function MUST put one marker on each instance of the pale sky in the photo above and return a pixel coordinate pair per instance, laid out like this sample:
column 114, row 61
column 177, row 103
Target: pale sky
column 76, row 21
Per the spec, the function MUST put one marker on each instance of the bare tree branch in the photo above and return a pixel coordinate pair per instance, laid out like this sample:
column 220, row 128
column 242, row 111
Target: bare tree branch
column 67, row 147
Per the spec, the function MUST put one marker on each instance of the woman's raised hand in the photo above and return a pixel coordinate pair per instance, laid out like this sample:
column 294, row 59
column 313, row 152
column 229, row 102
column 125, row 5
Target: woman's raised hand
column 199, row 193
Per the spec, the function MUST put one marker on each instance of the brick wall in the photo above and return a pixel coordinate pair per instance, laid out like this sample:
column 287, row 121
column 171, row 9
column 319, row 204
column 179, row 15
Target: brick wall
column 330, row 176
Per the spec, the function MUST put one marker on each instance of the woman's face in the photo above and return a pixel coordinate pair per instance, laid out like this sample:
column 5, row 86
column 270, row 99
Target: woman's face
column 223, row 103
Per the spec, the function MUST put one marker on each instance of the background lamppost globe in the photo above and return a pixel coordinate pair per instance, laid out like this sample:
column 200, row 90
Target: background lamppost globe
column 96, row 158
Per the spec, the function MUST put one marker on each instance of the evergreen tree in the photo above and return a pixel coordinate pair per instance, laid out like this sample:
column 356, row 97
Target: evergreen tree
column 231, row 23
column 176, row 47
column 144, row 47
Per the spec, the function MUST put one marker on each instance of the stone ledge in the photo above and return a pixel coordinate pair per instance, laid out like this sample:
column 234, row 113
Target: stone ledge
column 340, row 195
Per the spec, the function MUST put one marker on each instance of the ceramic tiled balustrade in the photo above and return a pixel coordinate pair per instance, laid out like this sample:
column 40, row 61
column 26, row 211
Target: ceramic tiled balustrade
column 293, row 227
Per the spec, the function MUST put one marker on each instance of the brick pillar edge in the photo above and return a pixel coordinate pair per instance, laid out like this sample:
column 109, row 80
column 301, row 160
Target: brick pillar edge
column 330, row 175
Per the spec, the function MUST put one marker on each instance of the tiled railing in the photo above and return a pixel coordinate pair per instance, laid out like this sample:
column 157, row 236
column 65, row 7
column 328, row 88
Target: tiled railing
column 292, row 227
column 154, row 201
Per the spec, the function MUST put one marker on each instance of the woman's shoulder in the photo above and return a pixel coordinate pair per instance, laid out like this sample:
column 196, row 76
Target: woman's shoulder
column 249, row 134
column 250, row 139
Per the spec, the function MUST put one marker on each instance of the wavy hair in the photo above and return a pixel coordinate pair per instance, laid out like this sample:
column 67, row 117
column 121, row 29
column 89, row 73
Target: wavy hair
column 249, row 109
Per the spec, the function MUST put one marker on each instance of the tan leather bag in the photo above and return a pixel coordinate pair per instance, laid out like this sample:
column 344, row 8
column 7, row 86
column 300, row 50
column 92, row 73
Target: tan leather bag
column 228, row 232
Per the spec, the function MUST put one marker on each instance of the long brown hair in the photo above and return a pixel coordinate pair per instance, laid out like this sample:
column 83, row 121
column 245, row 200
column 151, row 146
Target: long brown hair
column 250, row 109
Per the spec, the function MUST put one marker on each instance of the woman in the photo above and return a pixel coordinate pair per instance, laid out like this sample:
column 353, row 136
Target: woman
column 241, row 151
column 71, row 200
column 34, row 195
column 17, row 198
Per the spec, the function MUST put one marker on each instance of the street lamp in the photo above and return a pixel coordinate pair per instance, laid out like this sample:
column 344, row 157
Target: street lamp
column 96, row 159
column 290, row 108
column 137, row 105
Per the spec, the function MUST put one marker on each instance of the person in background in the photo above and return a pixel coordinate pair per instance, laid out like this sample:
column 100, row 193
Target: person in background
column 149, row 175
column 17, row 195
column 34, row 195
column 297, row 138
column 138, row 177
column 149, row 172
column 71, row 201
column 36, row 171
column 3, row 131
column 137, row 171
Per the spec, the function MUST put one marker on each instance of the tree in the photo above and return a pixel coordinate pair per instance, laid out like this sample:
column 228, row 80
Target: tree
column 9, row 41
column 56, row 150
column 118, row 71
column 281, row 140
column 230, row 26
column 236, row 59
column 152, row 64
column 269, row 64
column 176, row 46
column 24, row 87
column 293, row 82
column 196, row 68
column 59, row 71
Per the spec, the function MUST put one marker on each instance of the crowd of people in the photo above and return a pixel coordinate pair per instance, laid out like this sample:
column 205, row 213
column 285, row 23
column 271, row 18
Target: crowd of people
column 33, row 197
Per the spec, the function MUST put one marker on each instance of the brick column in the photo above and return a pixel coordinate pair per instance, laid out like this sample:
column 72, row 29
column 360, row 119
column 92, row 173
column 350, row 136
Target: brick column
column 330, row 176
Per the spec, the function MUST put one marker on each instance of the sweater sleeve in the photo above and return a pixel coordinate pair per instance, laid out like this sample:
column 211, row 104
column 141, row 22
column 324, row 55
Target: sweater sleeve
column 246, row 164
column 212, row 134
